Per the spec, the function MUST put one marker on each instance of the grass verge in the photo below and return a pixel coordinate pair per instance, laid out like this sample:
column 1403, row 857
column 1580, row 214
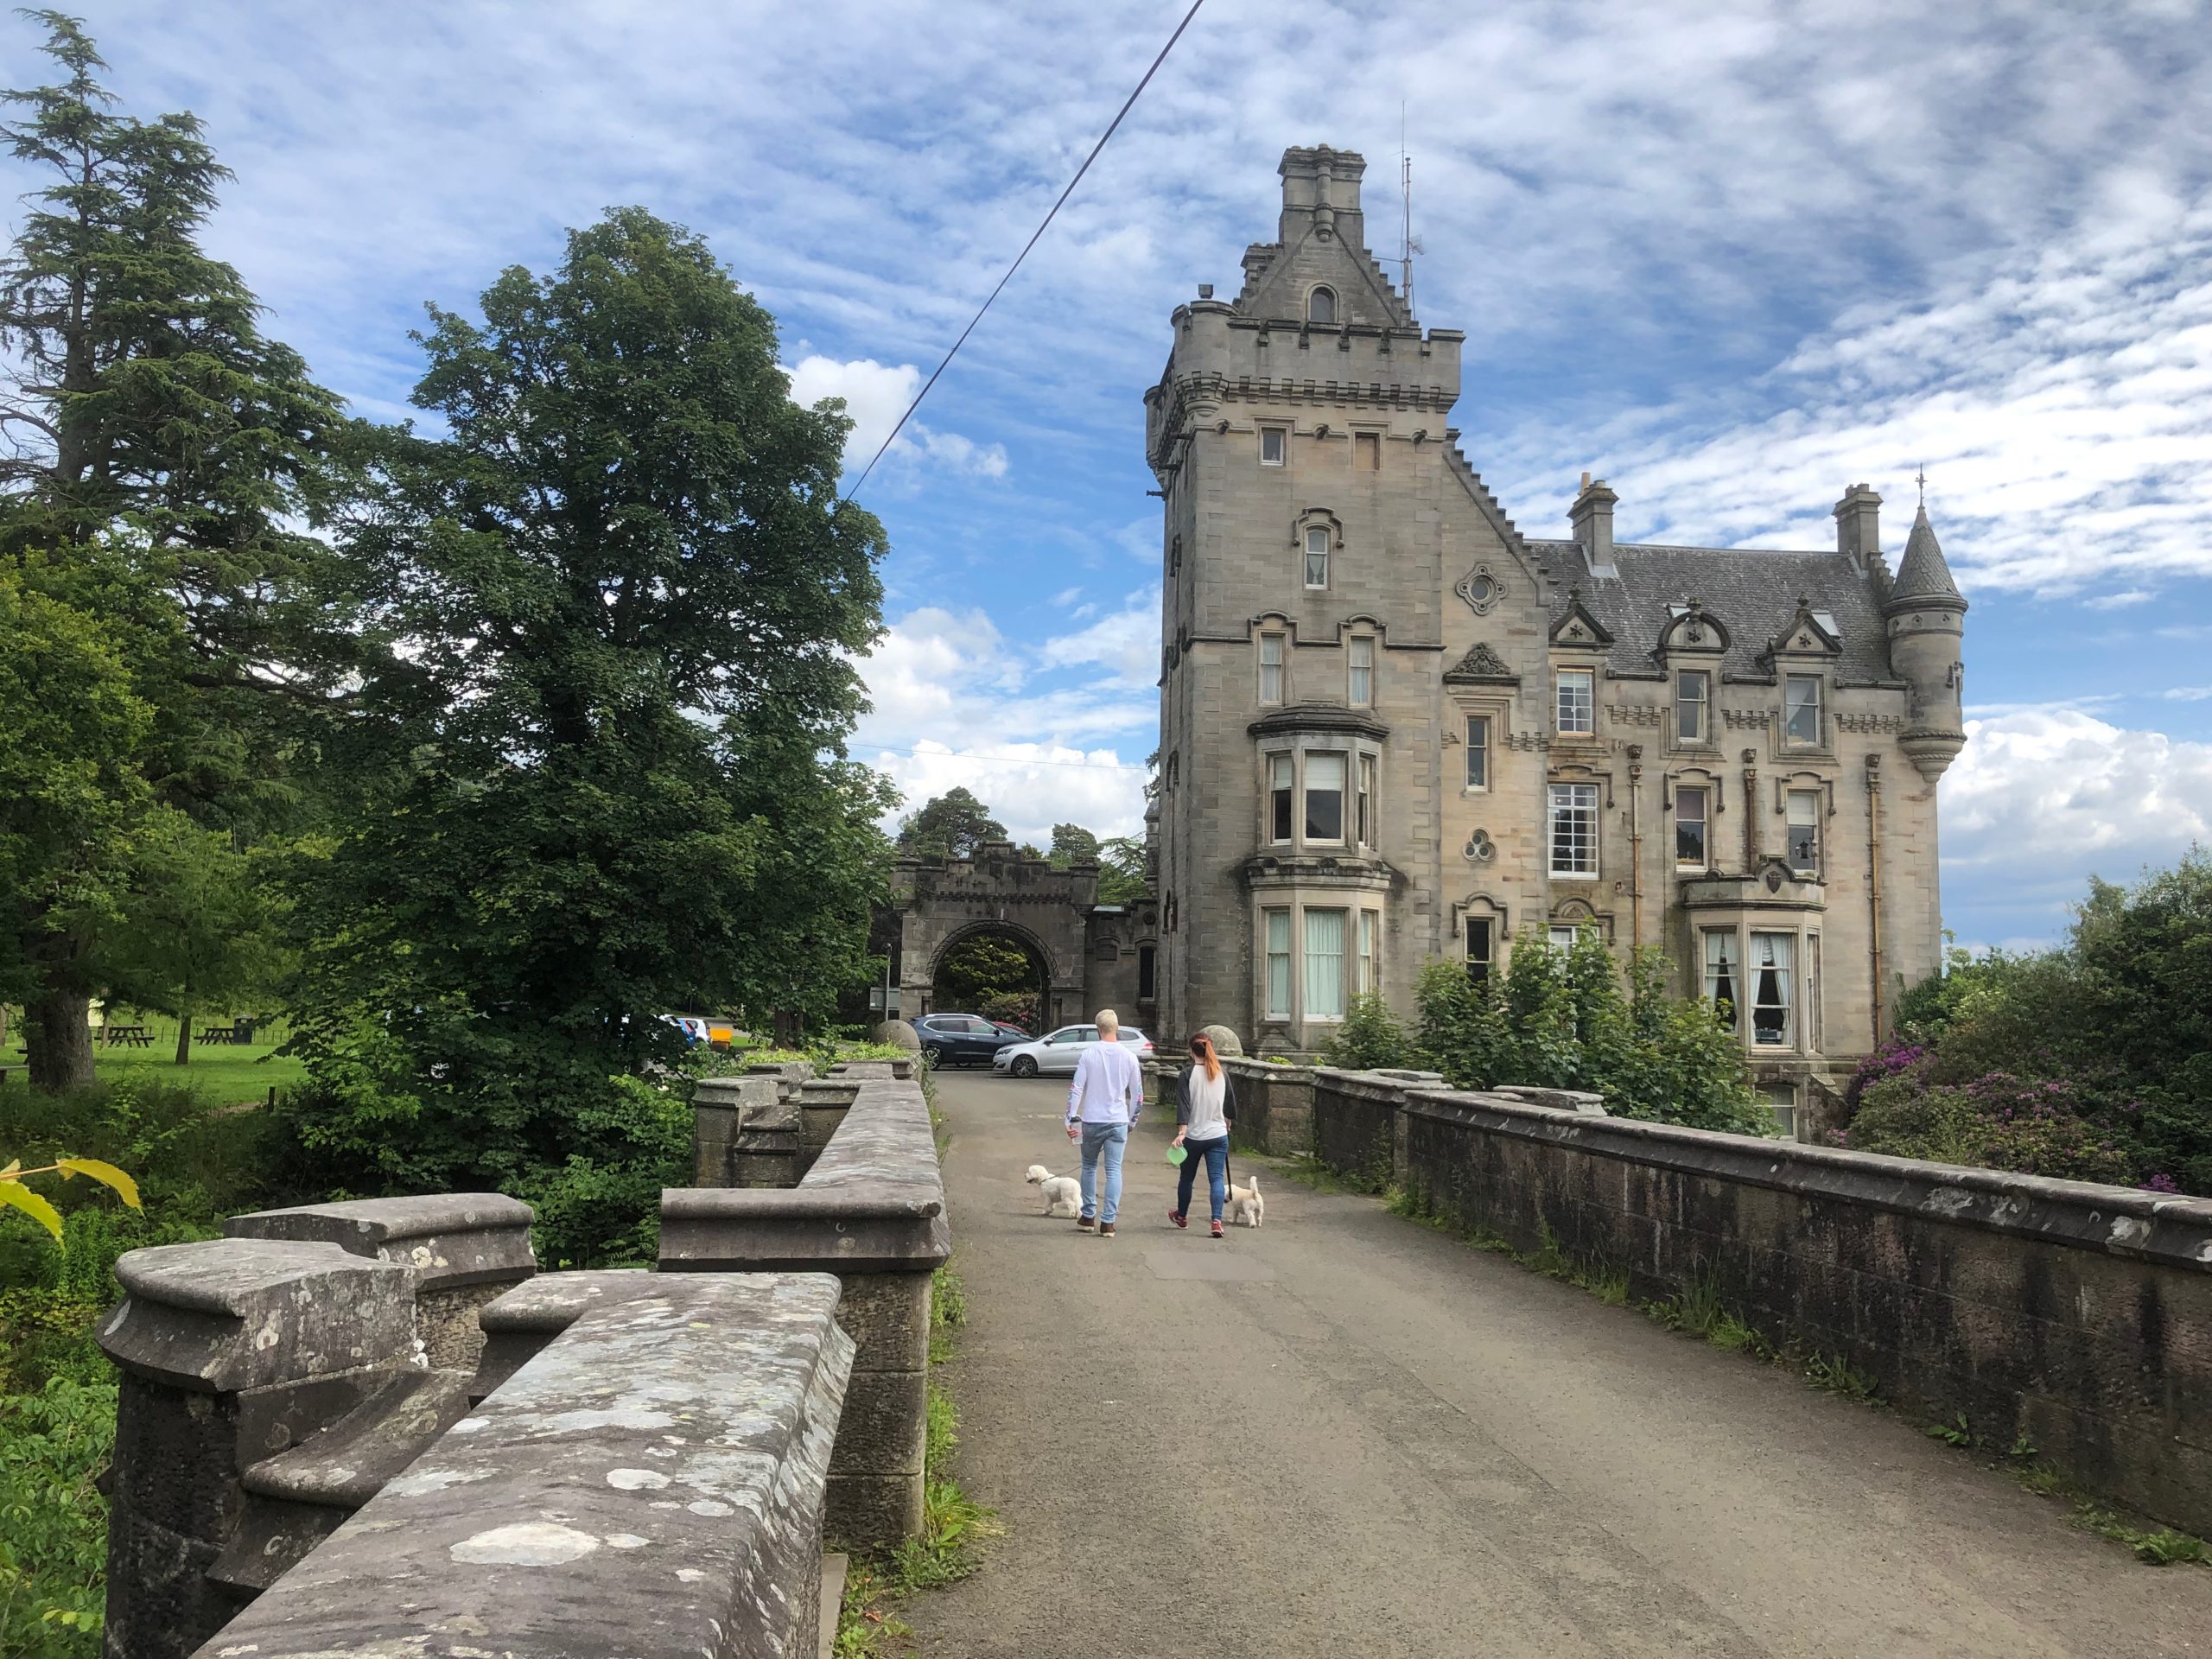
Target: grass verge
column 1699, row 1311
column 954, row 1525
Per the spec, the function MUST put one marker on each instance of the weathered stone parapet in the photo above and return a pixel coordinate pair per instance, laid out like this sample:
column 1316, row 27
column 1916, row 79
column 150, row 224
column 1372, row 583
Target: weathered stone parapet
column 231, row 1351
column 746, row 1130
column 1275, row 1107
column 2076, row 1316
column 872, row 1210
column 466, row 1248
column 652, row 1483
column 522, row 1322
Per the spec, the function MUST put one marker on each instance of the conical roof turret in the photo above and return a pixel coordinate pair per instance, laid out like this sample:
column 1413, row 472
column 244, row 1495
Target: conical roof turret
column 1922, row 577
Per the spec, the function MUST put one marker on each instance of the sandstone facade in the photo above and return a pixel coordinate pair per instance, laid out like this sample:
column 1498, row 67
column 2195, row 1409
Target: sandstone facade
column 1393, row 727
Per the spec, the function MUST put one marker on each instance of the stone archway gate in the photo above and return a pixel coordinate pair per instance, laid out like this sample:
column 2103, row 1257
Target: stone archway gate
column 939, row 901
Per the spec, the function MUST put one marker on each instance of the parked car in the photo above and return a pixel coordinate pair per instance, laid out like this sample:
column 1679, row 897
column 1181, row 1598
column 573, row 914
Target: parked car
column 1014, row 1032
column 959, row 1039
column 1061, row 1050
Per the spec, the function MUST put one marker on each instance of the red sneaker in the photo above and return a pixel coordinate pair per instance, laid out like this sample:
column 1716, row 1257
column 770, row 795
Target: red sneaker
column 1178, row 1218
column 1217, row 1233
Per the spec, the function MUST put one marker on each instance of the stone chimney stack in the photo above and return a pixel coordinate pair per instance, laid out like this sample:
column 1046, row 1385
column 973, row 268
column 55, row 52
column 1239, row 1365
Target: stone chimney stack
column 1859, row 527
column 1594, row 523
column 1320, row 190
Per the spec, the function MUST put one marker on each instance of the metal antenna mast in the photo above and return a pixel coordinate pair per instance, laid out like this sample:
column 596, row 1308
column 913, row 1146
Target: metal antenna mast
column 1406, row 246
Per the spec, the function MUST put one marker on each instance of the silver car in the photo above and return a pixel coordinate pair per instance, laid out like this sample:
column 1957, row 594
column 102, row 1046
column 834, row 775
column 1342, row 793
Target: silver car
column 1061, row 1050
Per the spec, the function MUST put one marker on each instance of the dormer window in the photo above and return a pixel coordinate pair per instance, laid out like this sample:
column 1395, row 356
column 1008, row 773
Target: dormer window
column 1578, row 701
column 1693, row 702
column 1317, row 556
column 1802, row 709
column 1321, row 305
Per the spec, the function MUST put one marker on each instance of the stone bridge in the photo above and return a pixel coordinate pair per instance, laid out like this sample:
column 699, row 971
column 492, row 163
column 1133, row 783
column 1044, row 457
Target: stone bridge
column 372, row 1429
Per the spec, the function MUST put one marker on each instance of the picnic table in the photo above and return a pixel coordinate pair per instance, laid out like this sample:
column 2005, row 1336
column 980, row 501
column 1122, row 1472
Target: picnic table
column 135, row 1036
column 239, row 1031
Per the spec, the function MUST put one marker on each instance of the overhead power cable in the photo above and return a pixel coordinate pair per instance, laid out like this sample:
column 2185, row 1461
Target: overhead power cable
column 1023, row 254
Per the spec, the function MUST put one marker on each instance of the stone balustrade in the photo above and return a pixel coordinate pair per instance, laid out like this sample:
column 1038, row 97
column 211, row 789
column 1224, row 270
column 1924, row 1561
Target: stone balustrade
column 650, row 1483
column 2073, row 1316
column 871, row 1209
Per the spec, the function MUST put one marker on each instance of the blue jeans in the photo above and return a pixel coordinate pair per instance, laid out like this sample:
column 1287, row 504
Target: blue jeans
column 1108, row 1140
column 1215, row 1154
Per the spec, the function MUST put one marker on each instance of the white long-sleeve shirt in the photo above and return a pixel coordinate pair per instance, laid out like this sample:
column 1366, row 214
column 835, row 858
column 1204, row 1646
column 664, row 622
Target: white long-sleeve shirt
column 1109, row 1086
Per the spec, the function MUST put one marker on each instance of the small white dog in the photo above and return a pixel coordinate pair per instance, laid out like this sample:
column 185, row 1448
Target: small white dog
column 1063, row 1193
column 1246, row 1207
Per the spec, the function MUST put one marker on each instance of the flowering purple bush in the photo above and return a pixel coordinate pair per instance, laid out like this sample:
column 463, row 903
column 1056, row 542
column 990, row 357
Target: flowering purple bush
column 1885, row 1063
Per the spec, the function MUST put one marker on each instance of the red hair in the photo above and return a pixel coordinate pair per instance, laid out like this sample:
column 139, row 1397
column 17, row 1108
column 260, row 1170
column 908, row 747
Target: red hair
column 1202, row 1045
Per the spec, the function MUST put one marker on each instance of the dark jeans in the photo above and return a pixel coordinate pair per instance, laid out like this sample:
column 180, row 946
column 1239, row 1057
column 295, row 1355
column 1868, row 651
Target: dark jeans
column 1215, row 1154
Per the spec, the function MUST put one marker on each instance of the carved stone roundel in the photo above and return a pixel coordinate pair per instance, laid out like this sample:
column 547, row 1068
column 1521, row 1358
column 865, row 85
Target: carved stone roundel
column 1481, row 589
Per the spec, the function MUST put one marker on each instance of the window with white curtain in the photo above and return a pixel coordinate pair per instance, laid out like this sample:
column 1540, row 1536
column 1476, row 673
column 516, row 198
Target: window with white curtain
column 1271, row 668
column 1272, row 445
column 1360, row 688
column 1325, row 964
column 1772, row 963
column 1802, row 709
column 1370, row 952
column 1317, row 556
column 1693, row 700
column 1325, row 797
column 1278, row 926
column 1574, row 828
column 1560, row 935
column 1724, row 981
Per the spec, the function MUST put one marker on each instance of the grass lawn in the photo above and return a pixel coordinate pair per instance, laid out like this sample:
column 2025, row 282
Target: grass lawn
column 220, row 1075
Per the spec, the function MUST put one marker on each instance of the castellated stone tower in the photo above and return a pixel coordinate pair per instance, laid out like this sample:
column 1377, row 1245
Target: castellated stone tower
column 1395, row 727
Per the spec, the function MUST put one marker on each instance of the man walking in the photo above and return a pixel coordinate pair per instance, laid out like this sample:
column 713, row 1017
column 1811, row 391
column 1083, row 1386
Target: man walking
column 1106, row 1099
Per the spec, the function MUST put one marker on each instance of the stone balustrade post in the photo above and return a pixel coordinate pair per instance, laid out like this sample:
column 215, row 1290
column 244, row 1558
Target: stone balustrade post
column 466, row 1248
column 229, row 1352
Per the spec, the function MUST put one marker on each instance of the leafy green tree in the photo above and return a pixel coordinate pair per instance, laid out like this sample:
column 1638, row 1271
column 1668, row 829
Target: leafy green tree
column 200, row 931
column 983, row 966
column 161, row 460
column 1073, row 844
column 1120, row 871
column 950, row 826
column 607, row 628
column 1371, row 1037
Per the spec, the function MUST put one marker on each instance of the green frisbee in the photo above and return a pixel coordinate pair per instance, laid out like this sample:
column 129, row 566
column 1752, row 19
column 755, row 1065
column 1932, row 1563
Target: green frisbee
column 1176, row 1154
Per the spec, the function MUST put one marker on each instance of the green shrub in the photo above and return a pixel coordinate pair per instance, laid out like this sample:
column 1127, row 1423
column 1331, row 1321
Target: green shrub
column 54, row 1546
column 1371, row 1037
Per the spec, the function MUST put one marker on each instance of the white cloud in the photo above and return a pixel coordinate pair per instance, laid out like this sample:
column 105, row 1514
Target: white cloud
column 2120, row 601
column 876, row 395
column 2041, row 799
column 2190, row 693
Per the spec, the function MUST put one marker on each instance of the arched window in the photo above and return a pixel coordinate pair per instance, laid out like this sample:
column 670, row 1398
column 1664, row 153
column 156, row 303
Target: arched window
column 1321, row 305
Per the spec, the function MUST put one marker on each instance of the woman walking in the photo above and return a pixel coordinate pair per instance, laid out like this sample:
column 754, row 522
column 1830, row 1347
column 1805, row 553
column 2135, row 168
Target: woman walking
column 1206, row 1107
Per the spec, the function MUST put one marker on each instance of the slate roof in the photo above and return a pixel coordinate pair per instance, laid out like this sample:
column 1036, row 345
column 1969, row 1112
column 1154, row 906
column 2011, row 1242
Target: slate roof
column 1752, row 591
column 1922, row 574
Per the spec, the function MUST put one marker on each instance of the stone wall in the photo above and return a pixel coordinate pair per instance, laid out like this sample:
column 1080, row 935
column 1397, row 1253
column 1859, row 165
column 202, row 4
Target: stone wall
column 1274, row 1103
column 2076, row 1316
column 871, row 1209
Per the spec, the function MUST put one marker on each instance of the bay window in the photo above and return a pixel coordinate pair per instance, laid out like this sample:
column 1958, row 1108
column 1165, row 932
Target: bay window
column 1278, row 926
column 1370, row 952
column 1772, row 962
column 1325, row 964
column 1325, row 797
column 1366, row 837
column 1279, row 797
column 1723, row 980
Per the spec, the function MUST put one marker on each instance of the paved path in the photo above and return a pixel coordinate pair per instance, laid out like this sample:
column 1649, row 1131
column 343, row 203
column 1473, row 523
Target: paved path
column 1347, row 1435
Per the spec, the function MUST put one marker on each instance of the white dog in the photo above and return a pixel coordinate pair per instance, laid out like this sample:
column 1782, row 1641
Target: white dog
column 1246, row 1207
column 1063, row 1193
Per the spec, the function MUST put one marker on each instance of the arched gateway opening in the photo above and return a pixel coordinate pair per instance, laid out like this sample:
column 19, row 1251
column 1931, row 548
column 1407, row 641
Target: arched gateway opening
column 995, row 970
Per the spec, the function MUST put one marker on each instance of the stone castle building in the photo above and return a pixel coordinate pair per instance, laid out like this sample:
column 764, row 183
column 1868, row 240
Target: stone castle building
column 1395, row 727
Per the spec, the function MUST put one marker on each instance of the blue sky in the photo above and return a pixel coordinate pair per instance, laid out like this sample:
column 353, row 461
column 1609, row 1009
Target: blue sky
column 1732, row 256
